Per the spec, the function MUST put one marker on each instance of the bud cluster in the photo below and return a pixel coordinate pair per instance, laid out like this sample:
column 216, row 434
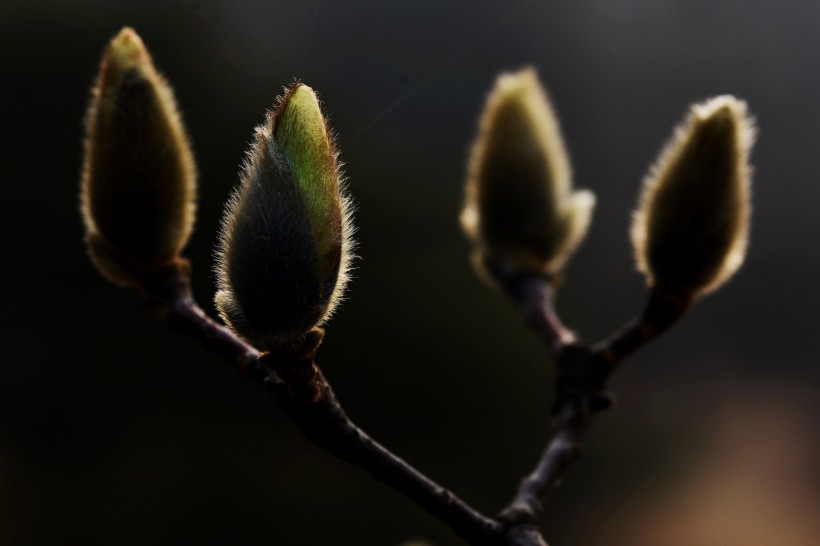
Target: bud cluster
column 285, row 244
column 689, row 230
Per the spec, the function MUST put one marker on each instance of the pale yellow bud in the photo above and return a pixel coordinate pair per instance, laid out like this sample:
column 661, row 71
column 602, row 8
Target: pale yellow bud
column 521, row 210
column 691, row 225
column 139, row 179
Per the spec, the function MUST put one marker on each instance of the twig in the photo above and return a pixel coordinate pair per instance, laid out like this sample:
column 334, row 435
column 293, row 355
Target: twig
column 583, row 371
column 533, row 298
column 662, row 310
column 307, row 397
column 562, row 449
column 581, row 377
column 325, row 423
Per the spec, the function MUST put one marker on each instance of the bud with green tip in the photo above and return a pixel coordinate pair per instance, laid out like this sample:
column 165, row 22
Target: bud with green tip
column 285, row 245
column 521, row 211
column 691, row 225
column 139, row 178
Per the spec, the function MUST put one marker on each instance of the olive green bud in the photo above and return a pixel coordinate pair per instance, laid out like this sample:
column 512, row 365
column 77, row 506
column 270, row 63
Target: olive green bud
column 139, row 178
column 690, row 228
column 285, row 244
column 521, row 211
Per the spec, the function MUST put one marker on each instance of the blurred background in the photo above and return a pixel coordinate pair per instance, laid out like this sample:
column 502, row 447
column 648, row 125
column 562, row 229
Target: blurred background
column 114, row 430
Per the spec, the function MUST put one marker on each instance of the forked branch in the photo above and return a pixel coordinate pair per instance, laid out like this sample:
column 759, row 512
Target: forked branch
column 285, row 248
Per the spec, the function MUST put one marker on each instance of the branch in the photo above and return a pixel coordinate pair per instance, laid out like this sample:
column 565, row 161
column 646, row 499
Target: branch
column 571, row 423
column 324, row 422
column 580, row 396
column 306, row 396
column 582, row 375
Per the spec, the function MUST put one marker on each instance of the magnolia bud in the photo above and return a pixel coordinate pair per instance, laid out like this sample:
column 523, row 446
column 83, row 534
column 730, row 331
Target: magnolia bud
column 521, row 211
column 139, row 179
column 691, row 224
column 285, row 243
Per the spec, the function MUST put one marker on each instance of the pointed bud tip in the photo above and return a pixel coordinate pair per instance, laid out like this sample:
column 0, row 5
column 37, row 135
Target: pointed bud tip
column 300, row 129
column 128, row 46
column 125, row 51
column 721, row 106
column 299, row 97
column 298, row 120
column 524, row 80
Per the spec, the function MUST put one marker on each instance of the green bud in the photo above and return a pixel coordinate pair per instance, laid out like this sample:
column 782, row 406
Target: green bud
column 691, row 225
column 139, row 178
column 285, row 244
column 520, row 210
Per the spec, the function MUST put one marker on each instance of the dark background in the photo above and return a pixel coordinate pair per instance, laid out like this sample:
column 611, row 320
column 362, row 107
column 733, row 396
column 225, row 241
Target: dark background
column 114, row 430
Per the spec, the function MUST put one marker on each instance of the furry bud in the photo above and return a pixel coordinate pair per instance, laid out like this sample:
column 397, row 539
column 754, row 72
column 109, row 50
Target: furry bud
column 139, row 179
column 285, row 243
column 521, row 211
column 691, row 225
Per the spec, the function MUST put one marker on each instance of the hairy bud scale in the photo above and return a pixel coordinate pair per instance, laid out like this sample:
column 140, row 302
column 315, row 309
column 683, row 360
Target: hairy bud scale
column 285, row 242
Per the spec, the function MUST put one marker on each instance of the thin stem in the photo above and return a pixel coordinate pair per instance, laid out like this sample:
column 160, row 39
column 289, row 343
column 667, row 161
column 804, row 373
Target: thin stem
column 582, row 375
column 533, row 296
column 583, row 372
column 626, row 341
column 188, row 318
column 580, row 379
column 326, row 424
column 662, row 310
column 561, row 451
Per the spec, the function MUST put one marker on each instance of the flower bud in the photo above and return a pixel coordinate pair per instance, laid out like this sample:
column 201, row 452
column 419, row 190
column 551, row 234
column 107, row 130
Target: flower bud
column 139, row 179
column 691, row 224
column 285, row 243
column 521, row 211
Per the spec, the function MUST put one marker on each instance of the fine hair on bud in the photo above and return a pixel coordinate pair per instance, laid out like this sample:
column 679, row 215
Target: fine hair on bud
column 285, row 243
column 139, row 178
column 520, row 210
column 690, row 229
